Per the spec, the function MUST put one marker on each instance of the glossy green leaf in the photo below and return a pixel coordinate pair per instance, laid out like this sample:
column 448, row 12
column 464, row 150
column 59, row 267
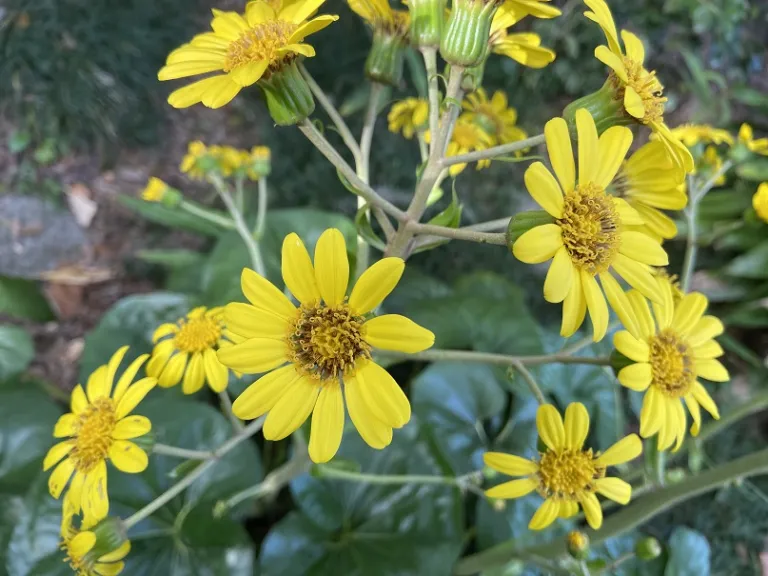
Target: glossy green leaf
column 16, row 351
column 20, row 298
column 689, row 554
column 751, row 264
column 364, row 228
column 171, row 217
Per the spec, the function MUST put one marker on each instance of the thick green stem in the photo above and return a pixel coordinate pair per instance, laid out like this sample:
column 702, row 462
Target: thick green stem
column 364, row 168
column 436, row 355
column 430, row 63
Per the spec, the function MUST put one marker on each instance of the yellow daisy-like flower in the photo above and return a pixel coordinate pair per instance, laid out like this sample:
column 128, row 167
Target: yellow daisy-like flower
column 640, row 90
column 467, row 137
column 185, row 351
column 651, row 182
column 746, row 137
column 311, row 351
column 191, row 163
column 244, row 48
column 760, row 201
column 566, row 475
column 382, row 17
column 589, row 238
column 692, row 134
column 524, row 47
column 671, row 349
column 79, row 546
column 98, row 429
column 154, row 190
column 408, row 116
column 494, row 116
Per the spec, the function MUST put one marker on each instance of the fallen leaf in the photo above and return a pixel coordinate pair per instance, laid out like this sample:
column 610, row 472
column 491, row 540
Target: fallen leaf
column 66, row 299
column 77, row 275
column 81, row 204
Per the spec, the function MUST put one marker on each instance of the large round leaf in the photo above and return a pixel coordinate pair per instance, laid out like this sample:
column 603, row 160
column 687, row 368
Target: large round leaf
column 16, row 351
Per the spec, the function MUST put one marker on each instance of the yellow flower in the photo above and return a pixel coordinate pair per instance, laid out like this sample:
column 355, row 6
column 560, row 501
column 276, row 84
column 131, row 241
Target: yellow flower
column 185, row 351
column 493, row 116
column 98, row 429
column 79, row 546
column 565, row 475
column 408, row 116
column 692, row 134
column 588, row 238
column 191, row 163
column 760, row 201
column 536, row 8
column 711, row 163
column 524, row 47
column 641, row 92
column 673, row 281
column 759, row 146
column 244, row 47
column 670, row 355
column 651, row 182
column 310, row 352
column 382, row 17
column 154, row 190
column 467, row 137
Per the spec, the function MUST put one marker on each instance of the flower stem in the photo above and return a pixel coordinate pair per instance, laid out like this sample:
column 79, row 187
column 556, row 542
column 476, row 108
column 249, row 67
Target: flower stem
column 530, row 381
column 205, row 214
column 610, row 568
column 437, row 355
column 430, row 63
column 226, row 407
column 239, row 193
column 181, row 452
column 459, row 481
column 261, row 211
column 190, row 478
column 495, row 151
column 499, row 239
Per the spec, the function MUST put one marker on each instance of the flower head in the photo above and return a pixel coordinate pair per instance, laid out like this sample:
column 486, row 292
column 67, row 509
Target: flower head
column 197, row 161
column 185, row 351
column 650, row 182
column 494, row 116
column 467, row 137
column 588, row 238
column 672, row 348
column 760, row 201
column 98, row 429
column 380, row 15
column 640, row 91
column 566, row 475
column 312, row 351
column 243, row 49
column 692, row 134
column 408, row 116
column 524, row 47
column 154, row 190
column 746, row 137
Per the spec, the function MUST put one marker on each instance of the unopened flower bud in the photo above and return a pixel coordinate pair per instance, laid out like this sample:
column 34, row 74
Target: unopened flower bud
column 605, row 109
column 465, row 41
column 427, row 17
column 385, row 60
column 289, row 98
column 619, row 361
column 675, row 476
column 524, row 221
column 110, row 535
column 578, row 544
column 498, row 504
column 145, row 442
column 647, row 548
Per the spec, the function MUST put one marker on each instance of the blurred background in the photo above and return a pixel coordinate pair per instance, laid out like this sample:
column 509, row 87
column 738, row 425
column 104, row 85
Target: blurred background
column 83, row 262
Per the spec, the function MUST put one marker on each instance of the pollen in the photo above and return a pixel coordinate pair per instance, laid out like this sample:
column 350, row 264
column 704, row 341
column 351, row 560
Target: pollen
column 93, row 434
column 261, row 42
column 327, row 341
column 590, row 227
column 647, row 86
column 672, row 368
column 566, row 474
column 198, row 334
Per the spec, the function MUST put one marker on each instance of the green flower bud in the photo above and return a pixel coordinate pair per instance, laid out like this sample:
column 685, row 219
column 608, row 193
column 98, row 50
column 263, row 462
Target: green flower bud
column 171, row 198
column 578, row 544
column 385, row 60
column 289, row 98
column 427, row 17
column 524, row 221
column 465, row 42
column 110, row 535
column 648, row 548
column 675, row 476
column 606, row 110
column 145, row 442
column 489, row 473
column 739, row 153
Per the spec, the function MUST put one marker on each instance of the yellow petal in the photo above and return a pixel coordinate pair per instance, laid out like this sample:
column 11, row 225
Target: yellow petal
column 627, row 214
column 245, row 75
column 626, row 449
column 291, row 49
column 550, row 427
column 314, row 25
column 642, row 314
column 539, row 244
column 653, row 413
column 592, row 510
column 297, row 12
column 596, row 304
column 712, row 370
column 65, row 426
column 291, row 410
column 382, row 395
column 615, row 489
column 298, row 272
column 127, row 377
column 60, row 476
column 688, row 312
column 56, row 453
column 633, row 46
column 131, row 427
column 229, row 24
column 111, row 569
column 510, row 464
column 395, row 332
column 112, row 366
column 643, row 249
column 705, row 329
column 664, row 311
column 255, row 355
column 657, row 222
column 95, row 497
column 193, row 93
column 97, row 383
column 638, row 276
column 576, row 425
column 117, row 554
column 258, row 12
column 189, row 68
column 133, row 396
column 589, row 151
column 613, row 61
column 194, row 375
column 375, row 284
column 574, row 309
column 513, row 489
column 545, row 515
column 636, row 377
column 710, row 349
column 262, row 395
column 631, row 347
column 681, row 422
column 216, row 373
column 127, row 457
column 544, row 189
column 327, row 424
column 173, row 370
column 81, row 544
column 78, row 400
column 251, row 322
column 614, row 144
column 264, row 295
column 376, row 433
column 160, row 356
column 619, row 302
column 332, row 266
column 693, row 408
column 221, row 92
column 560, row 277
column 705, row 400
column 633, row 103
column 560, row 152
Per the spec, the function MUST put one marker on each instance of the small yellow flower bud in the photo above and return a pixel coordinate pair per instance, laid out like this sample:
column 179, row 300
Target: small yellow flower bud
column 158, row 191
column 578, row 544
column 648, row 548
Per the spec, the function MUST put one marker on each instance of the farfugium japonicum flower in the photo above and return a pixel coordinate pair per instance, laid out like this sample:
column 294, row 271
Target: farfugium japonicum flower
column 408, row 116
column 390, row 37
column 100, row 427
column 522, row 47
column 671, row 349
column 588, row 239
column 746, row 137
column 760, row 201
column 154, row 190
column 185, row 351
column 566, row 475
column 692, row 134
column 312, row 352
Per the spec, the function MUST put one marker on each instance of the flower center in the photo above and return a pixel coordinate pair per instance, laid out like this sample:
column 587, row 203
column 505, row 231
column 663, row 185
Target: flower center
column 198, row 334
column 93, row 432
column 326, row 341
column 647, row 87
column 565, row 474
column 259, row 43
column 590, row 226
column 671, row 364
